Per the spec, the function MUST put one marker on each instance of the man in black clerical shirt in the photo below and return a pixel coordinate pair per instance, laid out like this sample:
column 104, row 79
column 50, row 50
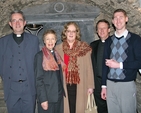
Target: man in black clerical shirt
column 17, row 51
column 103, row 30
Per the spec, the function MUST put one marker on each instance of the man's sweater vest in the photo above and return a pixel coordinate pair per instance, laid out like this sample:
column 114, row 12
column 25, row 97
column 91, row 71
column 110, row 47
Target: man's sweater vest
column 118, row 48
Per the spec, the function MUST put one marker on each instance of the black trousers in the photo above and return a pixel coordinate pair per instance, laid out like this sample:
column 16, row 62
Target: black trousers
column 72, row 97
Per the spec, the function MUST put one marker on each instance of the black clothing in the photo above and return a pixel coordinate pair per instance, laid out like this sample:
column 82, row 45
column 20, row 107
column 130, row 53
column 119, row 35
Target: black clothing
column 97, row 57
column 18, row 39
column 71, row 89
column 49, row 85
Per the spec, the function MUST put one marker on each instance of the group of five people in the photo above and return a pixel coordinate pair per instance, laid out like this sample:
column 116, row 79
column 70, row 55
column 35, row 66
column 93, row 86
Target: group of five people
column 61, row 76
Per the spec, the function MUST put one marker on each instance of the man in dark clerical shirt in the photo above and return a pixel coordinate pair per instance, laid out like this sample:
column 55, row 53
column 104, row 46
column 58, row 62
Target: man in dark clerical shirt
column 17, row 51
column 103, row 30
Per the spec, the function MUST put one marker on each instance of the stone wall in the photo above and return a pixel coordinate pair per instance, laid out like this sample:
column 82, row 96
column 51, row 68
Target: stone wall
column 106, row 6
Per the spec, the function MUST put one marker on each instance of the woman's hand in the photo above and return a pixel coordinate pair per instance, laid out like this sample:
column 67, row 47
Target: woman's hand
column 90, row 90
column 44, row 105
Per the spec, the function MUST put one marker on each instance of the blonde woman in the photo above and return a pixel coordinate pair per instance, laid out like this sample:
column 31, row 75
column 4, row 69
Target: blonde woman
column 79, row 73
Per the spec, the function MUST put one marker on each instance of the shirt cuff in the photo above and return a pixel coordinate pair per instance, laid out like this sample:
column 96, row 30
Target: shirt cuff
column 121, row 65
column 140, row 71
column 103, row 86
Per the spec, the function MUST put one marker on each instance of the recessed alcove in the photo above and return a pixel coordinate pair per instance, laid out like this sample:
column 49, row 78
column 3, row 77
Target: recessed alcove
column 54, row 15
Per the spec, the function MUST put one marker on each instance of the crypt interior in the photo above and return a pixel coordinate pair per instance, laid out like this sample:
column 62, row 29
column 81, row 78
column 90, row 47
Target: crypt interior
column 53, row 14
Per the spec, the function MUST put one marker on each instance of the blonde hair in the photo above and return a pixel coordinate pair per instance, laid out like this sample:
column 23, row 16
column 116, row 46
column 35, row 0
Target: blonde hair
column 78, row 35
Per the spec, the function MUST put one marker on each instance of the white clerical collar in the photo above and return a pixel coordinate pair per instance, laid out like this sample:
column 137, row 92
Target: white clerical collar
column 51, row 51
column 102, row 41
column 125, row 33
column 18, row 35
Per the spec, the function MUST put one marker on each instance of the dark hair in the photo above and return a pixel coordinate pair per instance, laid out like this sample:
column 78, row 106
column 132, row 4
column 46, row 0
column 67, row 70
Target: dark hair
column 49, row 32
column 103, row 20
column 65, row 30
column 120, row 10
column 17, row 11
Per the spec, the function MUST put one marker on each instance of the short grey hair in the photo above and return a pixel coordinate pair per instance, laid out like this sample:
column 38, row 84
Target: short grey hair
column 17, row 11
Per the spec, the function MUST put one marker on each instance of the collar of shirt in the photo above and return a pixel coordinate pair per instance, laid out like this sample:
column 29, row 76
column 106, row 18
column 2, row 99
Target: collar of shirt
column 102, row 41
column 125, row 33
column 18, row 36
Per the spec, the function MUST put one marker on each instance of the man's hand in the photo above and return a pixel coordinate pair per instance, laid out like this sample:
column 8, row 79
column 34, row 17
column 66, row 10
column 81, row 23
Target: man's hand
column 104, row 93
column 44, row 105
column 112, row 63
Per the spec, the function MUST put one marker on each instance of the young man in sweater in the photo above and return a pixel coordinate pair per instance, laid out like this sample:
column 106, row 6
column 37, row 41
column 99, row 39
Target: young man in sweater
column 122, row 59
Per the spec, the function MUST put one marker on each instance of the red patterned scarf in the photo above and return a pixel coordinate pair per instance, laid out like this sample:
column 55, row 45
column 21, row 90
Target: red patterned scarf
column 79, row 49
column 49, row 62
